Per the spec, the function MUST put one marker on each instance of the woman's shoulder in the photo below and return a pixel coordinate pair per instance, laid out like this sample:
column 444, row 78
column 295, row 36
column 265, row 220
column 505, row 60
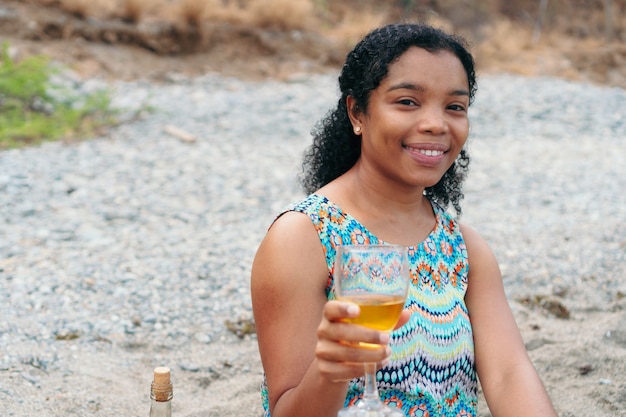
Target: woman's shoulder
column 307, row 204
column 290, row 247
column 288, row 237
column 321, row 211
column 295, row 219
column 469, row 232
column 289, row 222
column 476, row 244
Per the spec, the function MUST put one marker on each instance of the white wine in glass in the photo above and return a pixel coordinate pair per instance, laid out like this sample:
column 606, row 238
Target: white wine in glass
column 376, row 278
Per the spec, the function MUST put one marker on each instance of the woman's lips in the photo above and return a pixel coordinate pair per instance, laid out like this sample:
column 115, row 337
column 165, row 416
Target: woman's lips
column 430, row 155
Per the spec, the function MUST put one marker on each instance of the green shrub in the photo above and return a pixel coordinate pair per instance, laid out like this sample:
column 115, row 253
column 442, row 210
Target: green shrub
column 30, row 114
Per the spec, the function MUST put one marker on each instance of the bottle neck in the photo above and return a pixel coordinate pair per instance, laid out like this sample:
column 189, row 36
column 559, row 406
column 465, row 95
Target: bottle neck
column 161, row 392
column 161, row 408
column 161, row 400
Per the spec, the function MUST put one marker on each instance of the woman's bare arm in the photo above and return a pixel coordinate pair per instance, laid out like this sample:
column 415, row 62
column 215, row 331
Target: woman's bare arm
column 301, row 336
column 509, row 380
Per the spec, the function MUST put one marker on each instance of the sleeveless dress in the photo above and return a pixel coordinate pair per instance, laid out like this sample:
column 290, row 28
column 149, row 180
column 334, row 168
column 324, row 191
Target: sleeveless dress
column 431, row 370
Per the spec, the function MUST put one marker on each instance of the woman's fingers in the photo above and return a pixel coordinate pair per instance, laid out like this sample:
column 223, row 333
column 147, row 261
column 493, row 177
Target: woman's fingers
column 404, row 318
column 343, row 348
column 351, row 352
column 334, row 327
column 338, row 310
column 342, row 361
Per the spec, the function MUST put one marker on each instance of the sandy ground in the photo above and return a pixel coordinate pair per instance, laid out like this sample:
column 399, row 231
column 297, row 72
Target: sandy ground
column 582, row 361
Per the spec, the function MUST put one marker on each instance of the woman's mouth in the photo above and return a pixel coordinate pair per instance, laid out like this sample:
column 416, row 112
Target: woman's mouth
column 429, row 152
column 426, row 155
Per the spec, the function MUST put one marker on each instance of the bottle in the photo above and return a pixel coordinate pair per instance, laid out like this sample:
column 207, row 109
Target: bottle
column 161, row 393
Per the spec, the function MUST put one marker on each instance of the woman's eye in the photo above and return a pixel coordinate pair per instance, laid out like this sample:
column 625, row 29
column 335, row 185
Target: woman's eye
column 456, row 107
column 407, row 102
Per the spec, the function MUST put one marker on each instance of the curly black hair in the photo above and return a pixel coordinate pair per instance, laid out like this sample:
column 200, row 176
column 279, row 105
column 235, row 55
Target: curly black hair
column 335, row 148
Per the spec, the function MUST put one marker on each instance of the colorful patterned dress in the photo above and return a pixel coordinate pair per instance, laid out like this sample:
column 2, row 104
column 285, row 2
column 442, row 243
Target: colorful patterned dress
column 431, row 372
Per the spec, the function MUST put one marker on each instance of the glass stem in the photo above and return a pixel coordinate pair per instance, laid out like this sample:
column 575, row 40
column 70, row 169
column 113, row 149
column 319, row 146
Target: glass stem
column 370, row 393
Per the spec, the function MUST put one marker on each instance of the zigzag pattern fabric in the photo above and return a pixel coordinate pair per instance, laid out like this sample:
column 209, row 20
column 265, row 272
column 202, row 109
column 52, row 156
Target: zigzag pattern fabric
column 432, row 370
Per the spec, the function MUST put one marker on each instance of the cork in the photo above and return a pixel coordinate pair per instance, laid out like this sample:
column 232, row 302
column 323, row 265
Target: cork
column 161, row 389
column 162, row 375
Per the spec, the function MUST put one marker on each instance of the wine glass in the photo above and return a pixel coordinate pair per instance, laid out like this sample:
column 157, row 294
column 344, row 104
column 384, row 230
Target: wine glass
column 376, row 278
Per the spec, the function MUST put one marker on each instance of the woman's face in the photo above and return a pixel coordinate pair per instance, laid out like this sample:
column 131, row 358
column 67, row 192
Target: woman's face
column 417, row 119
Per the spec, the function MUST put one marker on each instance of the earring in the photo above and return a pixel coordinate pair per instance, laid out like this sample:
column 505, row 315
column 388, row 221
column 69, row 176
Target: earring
column 357, row 130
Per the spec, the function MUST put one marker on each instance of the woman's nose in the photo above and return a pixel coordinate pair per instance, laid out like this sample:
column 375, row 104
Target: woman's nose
column 432, row 121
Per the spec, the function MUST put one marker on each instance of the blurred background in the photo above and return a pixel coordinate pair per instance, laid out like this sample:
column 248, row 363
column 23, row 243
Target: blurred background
column 583, row 40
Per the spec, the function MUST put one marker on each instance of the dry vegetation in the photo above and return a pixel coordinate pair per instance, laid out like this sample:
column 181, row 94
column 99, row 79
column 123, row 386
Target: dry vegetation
column 278, row 14
column 580, row 39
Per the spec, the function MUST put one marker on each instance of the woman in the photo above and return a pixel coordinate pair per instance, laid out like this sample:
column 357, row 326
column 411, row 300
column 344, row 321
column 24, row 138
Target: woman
column 383, row 167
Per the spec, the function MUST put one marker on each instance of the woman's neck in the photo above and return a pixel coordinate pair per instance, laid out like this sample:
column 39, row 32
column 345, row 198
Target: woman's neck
column 394, row 214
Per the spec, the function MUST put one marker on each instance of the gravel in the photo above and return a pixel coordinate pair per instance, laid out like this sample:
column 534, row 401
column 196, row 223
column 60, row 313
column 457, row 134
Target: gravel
column 139, row 240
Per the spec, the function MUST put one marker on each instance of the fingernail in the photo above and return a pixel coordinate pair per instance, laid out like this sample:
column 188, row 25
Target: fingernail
column 388, row 352
column 352, row 310
column 384, row 338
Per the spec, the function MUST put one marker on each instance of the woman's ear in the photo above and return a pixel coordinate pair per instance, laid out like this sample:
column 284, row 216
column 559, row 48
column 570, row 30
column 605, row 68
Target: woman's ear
column 355, row 115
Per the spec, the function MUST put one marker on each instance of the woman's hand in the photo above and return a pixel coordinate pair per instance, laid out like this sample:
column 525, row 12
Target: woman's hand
column 338, row 353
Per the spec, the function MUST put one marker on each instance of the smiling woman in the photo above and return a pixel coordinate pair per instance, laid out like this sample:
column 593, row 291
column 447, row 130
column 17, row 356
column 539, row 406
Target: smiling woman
column 382, row 169
column 420, row 113
column 336, row 147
